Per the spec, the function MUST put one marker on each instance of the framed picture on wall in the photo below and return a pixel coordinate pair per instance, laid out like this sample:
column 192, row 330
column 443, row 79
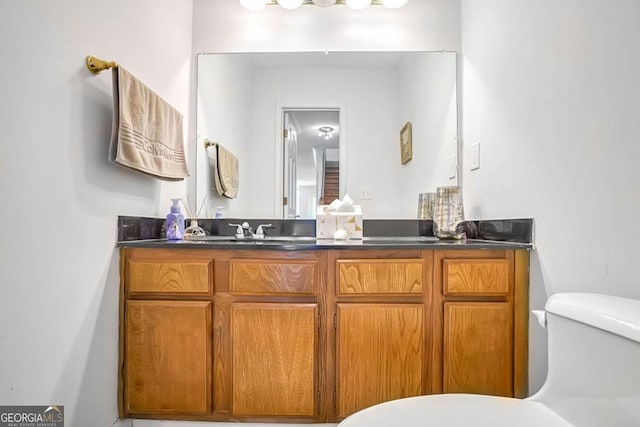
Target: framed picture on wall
column 405, row 143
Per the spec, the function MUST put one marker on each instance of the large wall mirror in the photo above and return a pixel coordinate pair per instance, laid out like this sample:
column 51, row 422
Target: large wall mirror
column 310, row 127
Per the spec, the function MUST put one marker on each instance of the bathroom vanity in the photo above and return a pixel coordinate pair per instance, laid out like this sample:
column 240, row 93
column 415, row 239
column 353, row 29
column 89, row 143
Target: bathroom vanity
column 314, row 333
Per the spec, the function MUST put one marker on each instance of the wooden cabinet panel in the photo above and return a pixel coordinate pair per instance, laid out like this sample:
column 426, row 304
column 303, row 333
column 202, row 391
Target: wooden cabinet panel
column 273, row 359
column 168, row 357
column 476, row 276
column 260, row 277
column 380, row 276
column 380, row 354
column 408, row 322
column 170, row 277
column 478, row 348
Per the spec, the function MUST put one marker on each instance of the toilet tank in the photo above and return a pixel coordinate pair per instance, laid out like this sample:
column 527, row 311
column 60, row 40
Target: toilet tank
column 594, row 359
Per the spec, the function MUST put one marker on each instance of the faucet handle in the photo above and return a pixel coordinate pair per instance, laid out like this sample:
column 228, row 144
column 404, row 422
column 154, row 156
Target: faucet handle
column 260, row 234
column 239, row 231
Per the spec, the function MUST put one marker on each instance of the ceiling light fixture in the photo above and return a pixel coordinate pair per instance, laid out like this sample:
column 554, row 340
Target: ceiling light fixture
column 290, row 4
column 256, row 5
column 394, row 4
column 326, row 132
column 324, row 3
column 358, row 4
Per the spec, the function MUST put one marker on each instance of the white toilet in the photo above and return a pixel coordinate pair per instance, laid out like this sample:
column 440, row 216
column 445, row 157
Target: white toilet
column 593, row 378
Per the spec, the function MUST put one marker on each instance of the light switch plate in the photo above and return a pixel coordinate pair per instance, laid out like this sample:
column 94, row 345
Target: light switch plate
column 475, row 156
column 365, row 192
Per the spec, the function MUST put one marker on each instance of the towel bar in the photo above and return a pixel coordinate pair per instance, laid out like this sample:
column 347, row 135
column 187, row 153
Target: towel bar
column 96, row 65
column 208, row 143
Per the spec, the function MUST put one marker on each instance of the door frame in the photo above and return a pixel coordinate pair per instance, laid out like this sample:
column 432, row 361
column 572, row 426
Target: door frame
column 341, row 107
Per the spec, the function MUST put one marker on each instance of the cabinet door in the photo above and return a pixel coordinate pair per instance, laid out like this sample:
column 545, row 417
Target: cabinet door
column 380, row 354
column 478, row 348
column 273, row 359
column 168, row 357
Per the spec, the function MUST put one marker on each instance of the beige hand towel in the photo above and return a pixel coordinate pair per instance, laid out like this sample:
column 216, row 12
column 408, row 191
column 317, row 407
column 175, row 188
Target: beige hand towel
column 147, row 131
column 225, row 169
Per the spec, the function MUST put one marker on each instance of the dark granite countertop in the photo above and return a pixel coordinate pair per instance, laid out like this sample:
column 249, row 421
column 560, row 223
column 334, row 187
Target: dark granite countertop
column 290, row 235
column 313, row 244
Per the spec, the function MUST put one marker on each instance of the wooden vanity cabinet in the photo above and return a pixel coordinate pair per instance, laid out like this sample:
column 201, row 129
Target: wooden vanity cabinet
column 273, row 319
column 381, row 326
column 480, row 322
column 314, row 336
column 220, row 335
column 165, row 335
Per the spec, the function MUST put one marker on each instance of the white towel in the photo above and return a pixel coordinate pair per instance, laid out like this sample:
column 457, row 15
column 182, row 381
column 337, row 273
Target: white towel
column 225, row 169
column 147, row 131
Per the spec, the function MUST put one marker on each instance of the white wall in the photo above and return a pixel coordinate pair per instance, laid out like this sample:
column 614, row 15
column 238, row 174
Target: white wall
column 58, row 262
column 306, row 201
column 551, row 91
column 427, row 100
column 224, row 116
column 369, row 97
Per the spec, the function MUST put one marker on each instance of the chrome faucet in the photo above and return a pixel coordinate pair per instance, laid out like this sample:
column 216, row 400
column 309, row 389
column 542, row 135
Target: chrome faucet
column 260, row 232
column 245, row 231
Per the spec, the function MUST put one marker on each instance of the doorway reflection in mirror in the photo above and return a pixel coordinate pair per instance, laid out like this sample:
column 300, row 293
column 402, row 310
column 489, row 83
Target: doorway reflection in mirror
column 311, row 148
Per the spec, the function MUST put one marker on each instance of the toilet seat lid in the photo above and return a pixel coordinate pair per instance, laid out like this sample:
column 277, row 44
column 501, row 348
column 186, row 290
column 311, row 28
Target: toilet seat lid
column 456, row 410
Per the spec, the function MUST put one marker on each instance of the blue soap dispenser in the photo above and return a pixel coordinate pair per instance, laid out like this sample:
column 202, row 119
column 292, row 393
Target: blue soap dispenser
column 175, row 222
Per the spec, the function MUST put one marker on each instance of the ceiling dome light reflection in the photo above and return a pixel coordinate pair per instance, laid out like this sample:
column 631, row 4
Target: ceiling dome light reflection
column 324, row 3
column 254, row 5
column 358, row 4
column 394, row 4
column 290, row 4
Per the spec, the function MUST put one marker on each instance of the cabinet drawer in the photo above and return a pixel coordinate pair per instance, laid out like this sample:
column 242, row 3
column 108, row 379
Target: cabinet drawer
column 380, row 276
column 171, row 277
column 476, row 277
column 269, row 277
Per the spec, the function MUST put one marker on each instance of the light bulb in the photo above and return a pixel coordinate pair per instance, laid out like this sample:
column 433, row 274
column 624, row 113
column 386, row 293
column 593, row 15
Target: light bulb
column 324, row 3
column 290, row 4
column 254, row 5
column 394, row 4
column 358, row 4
